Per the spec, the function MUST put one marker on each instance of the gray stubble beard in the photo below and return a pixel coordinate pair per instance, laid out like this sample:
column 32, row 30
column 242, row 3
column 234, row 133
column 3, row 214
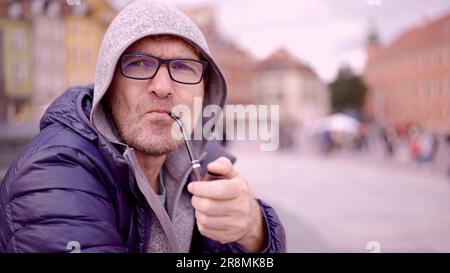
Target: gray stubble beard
column 132, row 133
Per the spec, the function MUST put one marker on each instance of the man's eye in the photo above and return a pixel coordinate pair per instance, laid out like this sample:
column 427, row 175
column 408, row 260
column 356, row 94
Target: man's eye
column 180, row 66
column 138, row 63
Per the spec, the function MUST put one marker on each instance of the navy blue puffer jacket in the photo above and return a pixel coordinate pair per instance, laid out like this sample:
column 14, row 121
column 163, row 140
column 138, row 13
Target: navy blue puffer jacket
column 69, row 187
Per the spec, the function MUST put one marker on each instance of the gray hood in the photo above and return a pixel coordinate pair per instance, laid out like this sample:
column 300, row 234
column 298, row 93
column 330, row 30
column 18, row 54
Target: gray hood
column 140, row 19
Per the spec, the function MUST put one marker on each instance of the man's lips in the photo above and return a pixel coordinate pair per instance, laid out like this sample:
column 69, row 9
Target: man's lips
column 160, row 113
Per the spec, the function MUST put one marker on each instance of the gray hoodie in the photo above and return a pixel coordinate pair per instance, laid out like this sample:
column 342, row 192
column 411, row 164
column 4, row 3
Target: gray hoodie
column 171, row 229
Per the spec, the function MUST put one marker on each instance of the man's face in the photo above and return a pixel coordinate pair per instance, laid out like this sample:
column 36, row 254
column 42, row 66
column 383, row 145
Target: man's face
column 138, row 106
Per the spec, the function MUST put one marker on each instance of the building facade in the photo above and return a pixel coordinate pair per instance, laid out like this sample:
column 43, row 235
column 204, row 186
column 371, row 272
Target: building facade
column 283, row 80
column 48, row 53
column 409, row 79
column 84, row 27
column 237, row 64
column 46, row 46
column 17, row 61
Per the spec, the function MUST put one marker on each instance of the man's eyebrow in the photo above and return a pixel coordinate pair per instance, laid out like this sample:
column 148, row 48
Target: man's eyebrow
column 195, row 57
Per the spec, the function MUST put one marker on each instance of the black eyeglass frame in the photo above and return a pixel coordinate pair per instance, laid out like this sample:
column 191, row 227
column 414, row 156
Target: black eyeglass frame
column 162, row 61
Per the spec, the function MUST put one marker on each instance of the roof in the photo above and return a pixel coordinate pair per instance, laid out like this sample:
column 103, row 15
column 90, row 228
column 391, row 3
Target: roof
column 281, row 59
column 419, row 37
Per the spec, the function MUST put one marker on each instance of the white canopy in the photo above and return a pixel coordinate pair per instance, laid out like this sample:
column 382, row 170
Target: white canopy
column 335, row 123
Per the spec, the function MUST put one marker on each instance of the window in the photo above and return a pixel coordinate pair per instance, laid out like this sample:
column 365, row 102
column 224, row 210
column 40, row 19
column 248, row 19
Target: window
column 437, row 114
column 88, row 56
column 19, row 73
column 437, row 88
column 18, row 39
column 424, row 59
column 437, row 57
column 74, row 55
column 426, row 88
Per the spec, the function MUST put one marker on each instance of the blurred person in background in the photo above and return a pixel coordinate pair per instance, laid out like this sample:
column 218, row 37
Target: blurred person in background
column 389, row 138
column 105, row 174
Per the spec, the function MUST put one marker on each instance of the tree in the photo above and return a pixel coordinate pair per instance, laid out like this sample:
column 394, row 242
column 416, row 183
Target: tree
column 348, row 91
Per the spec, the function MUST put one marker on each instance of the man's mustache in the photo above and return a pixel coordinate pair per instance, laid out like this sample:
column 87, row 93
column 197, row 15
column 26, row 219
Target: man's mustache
column 145, row 107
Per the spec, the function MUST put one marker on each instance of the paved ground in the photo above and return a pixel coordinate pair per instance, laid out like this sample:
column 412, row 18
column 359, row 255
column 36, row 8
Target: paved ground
column 342, row 202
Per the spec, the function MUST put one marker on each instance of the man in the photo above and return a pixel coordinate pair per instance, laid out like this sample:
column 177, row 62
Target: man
column 105, row 174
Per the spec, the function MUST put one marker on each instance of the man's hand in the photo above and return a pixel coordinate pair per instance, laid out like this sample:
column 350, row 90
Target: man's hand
column 225, row 209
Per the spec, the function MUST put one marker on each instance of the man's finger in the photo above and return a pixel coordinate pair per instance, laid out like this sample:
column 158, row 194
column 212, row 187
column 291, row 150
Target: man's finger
column 214, row 222
column 222, row 166
column 219, row 189
column 212, row 207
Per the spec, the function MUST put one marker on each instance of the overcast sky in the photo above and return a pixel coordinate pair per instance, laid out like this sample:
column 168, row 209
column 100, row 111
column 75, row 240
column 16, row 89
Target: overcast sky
column 322, row 33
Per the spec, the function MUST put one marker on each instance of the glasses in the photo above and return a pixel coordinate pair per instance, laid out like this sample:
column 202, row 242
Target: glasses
column 140, row 66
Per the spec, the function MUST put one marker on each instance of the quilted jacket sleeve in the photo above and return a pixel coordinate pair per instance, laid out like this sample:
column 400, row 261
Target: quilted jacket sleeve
column 54, row 202
column 276, row 236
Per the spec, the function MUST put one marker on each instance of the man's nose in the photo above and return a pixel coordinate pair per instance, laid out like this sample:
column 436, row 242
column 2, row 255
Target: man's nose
column 162, row 84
